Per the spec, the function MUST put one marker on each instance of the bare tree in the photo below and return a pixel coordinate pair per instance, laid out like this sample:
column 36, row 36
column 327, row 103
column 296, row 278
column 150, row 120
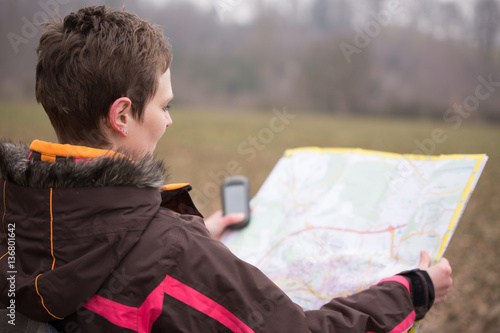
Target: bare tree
column 331, row 15
column 453, row 19
column 486, row 23
column 319, row 14
column 376, row 5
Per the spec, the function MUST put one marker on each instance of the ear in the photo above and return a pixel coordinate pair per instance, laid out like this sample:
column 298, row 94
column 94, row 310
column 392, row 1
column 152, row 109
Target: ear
column 119, row 115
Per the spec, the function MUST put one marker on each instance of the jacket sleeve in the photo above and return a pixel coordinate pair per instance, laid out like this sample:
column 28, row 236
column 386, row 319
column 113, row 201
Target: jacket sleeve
column 234, row 296
column 389, row 306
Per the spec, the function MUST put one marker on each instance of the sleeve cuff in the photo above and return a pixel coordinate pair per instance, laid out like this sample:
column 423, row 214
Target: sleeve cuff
column 421, row 289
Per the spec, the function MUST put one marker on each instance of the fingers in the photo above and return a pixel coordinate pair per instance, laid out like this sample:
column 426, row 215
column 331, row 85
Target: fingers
column 214, row 224
column 217, row 223
column 224, row 220
column 441, row 278
column 445, row 265
column 440, row 275
column 216, row 215
column 233, row 218
column 425, row 260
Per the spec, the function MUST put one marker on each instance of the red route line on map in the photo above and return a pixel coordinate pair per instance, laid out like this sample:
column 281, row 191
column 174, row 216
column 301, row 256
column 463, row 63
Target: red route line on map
column 388, row 229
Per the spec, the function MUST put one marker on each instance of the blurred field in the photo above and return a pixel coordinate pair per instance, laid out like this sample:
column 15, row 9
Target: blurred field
column 203, row 146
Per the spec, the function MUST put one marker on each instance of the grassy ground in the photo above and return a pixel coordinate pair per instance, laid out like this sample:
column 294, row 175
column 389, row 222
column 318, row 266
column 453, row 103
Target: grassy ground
column 204, row 146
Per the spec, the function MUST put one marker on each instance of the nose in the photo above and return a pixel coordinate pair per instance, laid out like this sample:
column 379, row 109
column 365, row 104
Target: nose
column 168, row 118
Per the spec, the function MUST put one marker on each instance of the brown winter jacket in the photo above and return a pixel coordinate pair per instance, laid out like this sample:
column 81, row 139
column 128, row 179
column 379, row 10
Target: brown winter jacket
column 96, row 246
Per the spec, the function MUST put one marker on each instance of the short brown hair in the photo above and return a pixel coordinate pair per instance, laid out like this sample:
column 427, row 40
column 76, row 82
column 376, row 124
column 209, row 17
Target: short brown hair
column 90, row 59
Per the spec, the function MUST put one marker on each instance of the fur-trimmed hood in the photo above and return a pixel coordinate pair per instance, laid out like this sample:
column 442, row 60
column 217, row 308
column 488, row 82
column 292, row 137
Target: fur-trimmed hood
column 115, row 170
column 72, row 219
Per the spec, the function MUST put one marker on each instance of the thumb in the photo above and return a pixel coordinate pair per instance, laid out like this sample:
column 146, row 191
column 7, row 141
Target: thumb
column 425, row 260
column 233, row 218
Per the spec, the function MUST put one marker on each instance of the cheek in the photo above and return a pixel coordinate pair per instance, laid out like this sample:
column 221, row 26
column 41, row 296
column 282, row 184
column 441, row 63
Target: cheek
column 161, row 131
column 160, row 125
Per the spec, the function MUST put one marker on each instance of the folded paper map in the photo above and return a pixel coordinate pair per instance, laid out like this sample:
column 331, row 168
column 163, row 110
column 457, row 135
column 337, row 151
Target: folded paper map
column 329, row 222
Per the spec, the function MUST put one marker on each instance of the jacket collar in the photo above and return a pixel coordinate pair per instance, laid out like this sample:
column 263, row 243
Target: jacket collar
column 49, row 151
column 50, row 165
column 57, row 166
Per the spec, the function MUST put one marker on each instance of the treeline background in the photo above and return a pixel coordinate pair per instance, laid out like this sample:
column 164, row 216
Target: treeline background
column 331, row 56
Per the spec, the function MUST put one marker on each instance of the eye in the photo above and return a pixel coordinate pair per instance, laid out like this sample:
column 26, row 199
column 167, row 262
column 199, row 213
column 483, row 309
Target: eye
column 166, row 108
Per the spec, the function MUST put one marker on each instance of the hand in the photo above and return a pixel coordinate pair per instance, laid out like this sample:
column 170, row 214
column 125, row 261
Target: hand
column 440, row 275
column 217, row 223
